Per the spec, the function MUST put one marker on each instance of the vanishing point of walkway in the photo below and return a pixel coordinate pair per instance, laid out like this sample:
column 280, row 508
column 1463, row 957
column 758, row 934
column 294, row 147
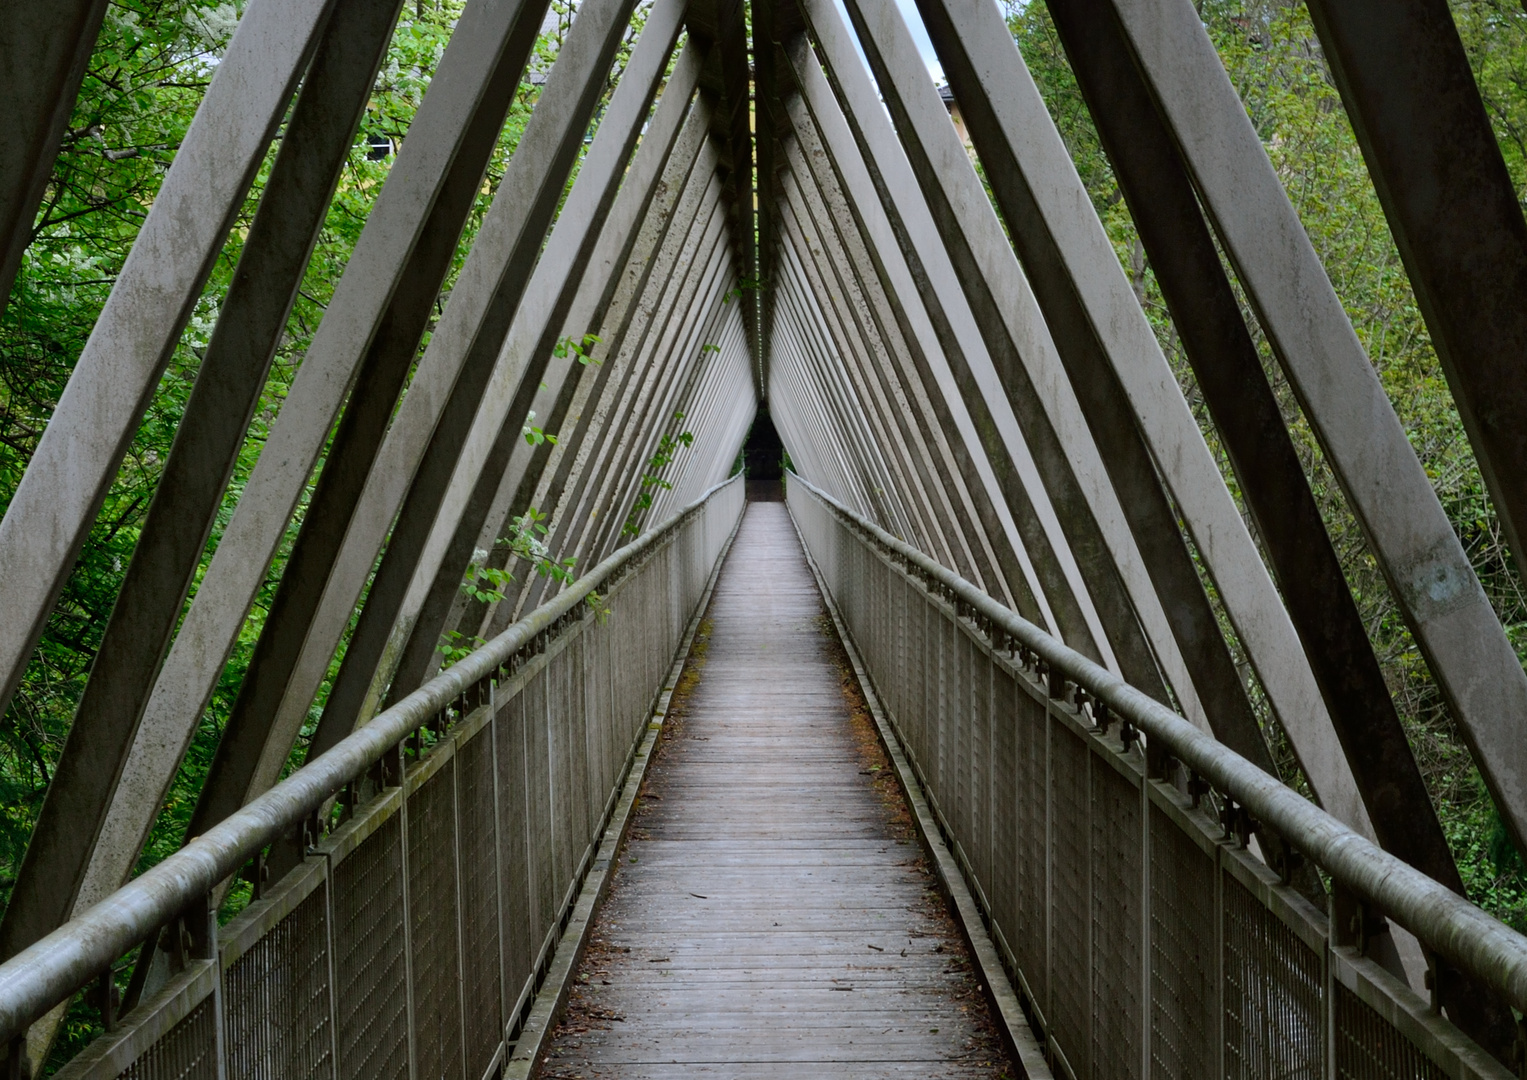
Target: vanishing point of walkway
column 772, row 914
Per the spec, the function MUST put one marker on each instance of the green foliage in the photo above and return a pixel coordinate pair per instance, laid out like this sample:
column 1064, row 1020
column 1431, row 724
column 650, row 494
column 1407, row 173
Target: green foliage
column 141, row 88
column 533, row 435
column 143, row 83
column 1274, row 59
column 668, row 448
column 488, row 584
column 582, row 349
column 745, row 285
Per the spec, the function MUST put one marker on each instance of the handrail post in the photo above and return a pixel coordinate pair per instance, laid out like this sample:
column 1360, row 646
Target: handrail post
column 201, row 930
column 17, row 1064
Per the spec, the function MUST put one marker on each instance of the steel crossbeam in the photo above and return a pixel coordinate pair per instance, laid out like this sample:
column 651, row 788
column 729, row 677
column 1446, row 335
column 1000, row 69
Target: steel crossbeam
column 893, row 323
column 930, row 306
column 502, row 403
column 57, row 875
column 580, row 452
column 208, row 629
column 1339, row 391
column 773, row 219
column 687, row 186
column 430, row 422
column 70, row 472
column 699, row 268
column 867, row 330
column 46, row 50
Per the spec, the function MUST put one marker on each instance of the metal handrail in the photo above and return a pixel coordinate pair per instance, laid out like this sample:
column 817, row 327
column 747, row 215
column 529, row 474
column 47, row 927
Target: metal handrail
column 1445, row 922
column 52, row 969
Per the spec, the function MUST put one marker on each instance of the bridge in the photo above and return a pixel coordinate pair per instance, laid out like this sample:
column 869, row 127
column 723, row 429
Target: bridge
column 568, row 745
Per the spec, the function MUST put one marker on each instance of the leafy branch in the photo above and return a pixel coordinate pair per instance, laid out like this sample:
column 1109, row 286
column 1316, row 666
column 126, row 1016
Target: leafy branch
column 747, row 284
column 582, row 349
column 533, row 435
column 487, row 584
column 652, row 479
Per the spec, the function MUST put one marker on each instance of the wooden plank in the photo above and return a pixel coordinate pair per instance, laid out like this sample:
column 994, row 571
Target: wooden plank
column 773, row 1071
column 772, row 913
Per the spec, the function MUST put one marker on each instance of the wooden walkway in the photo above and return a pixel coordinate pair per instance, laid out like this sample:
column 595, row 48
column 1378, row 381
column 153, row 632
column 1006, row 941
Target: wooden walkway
column 772, row 914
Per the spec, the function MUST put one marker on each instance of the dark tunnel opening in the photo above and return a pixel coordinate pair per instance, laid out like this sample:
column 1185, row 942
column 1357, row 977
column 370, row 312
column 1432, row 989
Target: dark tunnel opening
column 763, row 455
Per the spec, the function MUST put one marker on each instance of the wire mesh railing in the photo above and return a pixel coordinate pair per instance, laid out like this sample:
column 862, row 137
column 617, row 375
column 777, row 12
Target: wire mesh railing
column 413, row 935
column 1120, row 875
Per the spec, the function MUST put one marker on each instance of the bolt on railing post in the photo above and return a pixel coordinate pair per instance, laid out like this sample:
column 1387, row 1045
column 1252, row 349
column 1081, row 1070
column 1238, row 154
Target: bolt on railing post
column 1128, row 734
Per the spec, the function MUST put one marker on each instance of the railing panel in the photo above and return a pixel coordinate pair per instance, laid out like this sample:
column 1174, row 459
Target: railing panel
column 1184, row 1017
column 1071, row 960
column 1273, row 983
column 574, row 721
column 621, row 734
column 979, row 853
column 370, row 946
column 276, row 999
column 188, row 1051
column 909, row 616
column 477, row 840
column 566, row 829
column 433, row 924
column 1030, row 922
column 945, row 734
column 1002, row 885
column 540, row 863
column 518, row 899
column 602, row 727
column 596, row 734
column 921, row 672
column 963, row 729
column 1368, row 1047
column 1146, row 936
column 1117, row 913
column 924, row 701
